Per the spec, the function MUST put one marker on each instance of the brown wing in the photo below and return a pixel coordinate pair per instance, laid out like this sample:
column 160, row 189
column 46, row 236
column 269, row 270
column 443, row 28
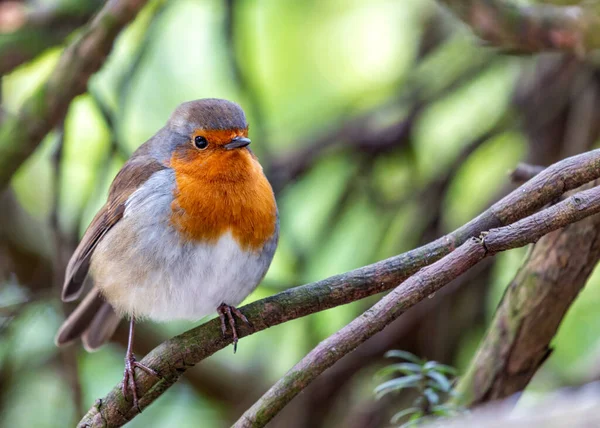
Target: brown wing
column 133, row 174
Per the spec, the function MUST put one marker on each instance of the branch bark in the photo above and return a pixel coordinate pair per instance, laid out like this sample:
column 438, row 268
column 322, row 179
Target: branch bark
column 518, row 339
column 414, row 290
column 532, row 28
column 524, row 172
column 176, row 355
column 21, row 134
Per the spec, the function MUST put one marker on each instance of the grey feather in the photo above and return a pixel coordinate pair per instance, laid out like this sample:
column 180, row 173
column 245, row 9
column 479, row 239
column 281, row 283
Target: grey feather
column 101, row 329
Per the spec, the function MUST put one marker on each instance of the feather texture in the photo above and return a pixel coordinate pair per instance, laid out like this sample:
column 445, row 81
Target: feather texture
column 133, row 174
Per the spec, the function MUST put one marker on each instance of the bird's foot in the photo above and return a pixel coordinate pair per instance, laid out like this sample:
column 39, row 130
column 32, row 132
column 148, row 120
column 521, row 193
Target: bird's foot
column 227, row 311
column 129, row 377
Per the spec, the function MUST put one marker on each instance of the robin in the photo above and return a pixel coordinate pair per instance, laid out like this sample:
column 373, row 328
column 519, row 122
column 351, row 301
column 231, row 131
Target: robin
column 190, row 227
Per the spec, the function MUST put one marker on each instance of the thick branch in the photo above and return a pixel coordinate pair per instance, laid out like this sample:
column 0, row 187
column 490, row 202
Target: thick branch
column 174, row 356
column 533, row 28
column 518, row 339
column 219, row 383
column 415, row 289
column 21, row 134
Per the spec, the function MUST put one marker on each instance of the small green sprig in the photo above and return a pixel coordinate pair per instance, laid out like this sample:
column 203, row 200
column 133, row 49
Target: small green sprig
column 431, row 380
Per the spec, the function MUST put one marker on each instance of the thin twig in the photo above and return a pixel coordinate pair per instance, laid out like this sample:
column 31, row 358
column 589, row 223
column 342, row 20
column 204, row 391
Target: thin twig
column 525, row 172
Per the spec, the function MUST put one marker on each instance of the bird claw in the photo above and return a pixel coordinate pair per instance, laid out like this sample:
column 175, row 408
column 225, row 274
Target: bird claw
column 129, row 378
column 227, row 311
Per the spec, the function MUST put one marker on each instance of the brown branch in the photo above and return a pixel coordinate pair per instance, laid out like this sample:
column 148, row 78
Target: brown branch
column 525, row 172
column 25, row 33
column 21, row 134
column 404, row 333
column 413, row 333
column 415, row 289
column 217, row 382
column 518, row 339
column 176, row 355
column 534, row 28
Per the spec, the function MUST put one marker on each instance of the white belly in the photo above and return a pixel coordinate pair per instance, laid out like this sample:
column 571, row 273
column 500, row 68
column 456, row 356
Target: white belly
column 197, row 279
column 144, row 269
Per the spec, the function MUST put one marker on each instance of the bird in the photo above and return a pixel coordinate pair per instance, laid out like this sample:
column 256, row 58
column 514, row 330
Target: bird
column 190, row 228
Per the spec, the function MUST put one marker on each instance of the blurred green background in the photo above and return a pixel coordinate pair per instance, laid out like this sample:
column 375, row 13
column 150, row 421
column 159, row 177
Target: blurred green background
column 381, row 125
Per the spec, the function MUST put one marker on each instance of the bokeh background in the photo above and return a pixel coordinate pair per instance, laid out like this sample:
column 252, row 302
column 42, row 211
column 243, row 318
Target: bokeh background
column 381, row 124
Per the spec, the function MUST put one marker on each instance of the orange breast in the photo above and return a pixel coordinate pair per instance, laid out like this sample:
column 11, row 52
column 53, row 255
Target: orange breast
column 225, row 193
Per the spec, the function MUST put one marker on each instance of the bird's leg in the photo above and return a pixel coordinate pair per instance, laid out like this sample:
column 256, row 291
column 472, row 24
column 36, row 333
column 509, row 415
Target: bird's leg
column 130, row 365
column 227, row 311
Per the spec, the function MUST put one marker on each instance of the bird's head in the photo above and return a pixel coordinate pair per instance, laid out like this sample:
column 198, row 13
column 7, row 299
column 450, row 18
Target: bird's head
column 212, row 138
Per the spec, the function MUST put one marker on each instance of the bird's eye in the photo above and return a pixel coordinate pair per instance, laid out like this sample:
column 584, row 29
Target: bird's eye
column 200, row 142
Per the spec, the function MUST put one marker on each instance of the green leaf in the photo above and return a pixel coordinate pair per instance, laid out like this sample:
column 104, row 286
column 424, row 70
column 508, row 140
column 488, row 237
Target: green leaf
column 414, row 420
column 432, row 397
column 445, row 410
column 418, row 415
column 406, row 368
column 438, row 411
column 404, row 413
column 405, row 356
column 441, row 380
column 443, row 368
column 397, row 384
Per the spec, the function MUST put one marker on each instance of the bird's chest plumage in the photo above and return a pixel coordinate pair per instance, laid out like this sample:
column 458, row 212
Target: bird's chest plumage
column 174, row 258
column 238, row 200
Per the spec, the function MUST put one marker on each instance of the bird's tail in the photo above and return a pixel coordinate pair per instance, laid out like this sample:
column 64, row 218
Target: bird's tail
column 94, row 320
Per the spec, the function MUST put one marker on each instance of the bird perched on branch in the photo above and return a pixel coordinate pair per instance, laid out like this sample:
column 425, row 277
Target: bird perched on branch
column 190, row 227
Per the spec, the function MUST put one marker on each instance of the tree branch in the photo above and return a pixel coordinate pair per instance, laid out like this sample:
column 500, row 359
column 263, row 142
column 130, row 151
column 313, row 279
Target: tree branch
column 26, row 33
column 524, row 172
column 218, row 382
column 415, row 289
column 176, row 355
column 518, row 339
column 532, row 28
column 21, row 134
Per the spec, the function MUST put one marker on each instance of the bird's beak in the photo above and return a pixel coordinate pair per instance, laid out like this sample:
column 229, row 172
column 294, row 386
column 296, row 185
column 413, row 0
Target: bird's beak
column 237, row 142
